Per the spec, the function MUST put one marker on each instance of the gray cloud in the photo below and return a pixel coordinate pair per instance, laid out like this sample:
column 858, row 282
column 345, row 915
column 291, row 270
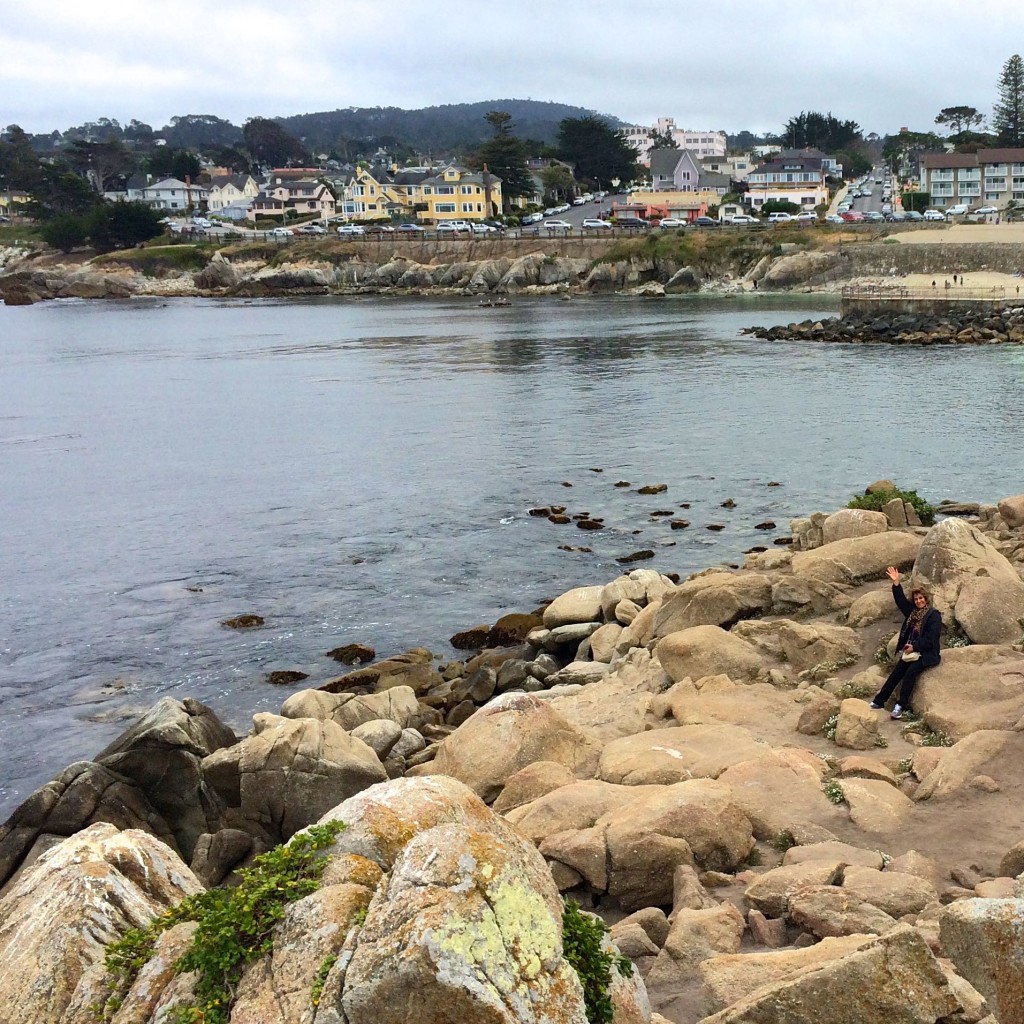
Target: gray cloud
column 731, row 65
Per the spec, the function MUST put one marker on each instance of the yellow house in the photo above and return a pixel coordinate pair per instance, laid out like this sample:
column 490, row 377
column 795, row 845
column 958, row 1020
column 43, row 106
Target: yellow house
column 378, row 194
column 457, row 194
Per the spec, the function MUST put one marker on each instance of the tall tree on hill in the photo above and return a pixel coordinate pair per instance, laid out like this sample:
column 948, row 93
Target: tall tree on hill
column 1008, row 113
column 812, row 129
column 505, row 157
column 100, row 161
column 271, row 145
column 598, row 152
column 960, row 119
column 662, row 140
column 164, row 162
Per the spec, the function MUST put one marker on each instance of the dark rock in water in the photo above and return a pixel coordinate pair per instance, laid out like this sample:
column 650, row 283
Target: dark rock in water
column 566, row 483
column 755, row 549
column 653, row 489
column 559, row 519
column 512, row 628
column 679, row 524
column 782, row 541
column 590, row 524
column 540, row 512
column 581, row 515
column 285, row 677
column 766, row 525
column 637, row 556
column 557, row 509
column 773, row 483
column 243, row 622
column 684, row 504
column 661, row 512
column 673, row 576
column 623, row 483
column 471, row 639
column 715, row 527
column 596, row 469
column 728, row 503
column 352, row 654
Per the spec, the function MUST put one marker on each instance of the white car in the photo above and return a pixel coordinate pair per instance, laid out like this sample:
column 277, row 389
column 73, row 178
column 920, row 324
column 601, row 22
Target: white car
column 578, row 201
column 672, row 222
column 558, row 225
column 312, row 229
column 834, row 218
column 551, row 211
column 351, row 229
column 780, row 218
column 453, row 227
column 279, row 233
column 807, row 217
column 743, row 218
column 595, row 222
column 933, row 215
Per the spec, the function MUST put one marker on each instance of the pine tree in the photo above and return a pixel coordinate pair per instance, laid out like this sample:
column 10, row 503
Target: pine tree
column 1008, row 114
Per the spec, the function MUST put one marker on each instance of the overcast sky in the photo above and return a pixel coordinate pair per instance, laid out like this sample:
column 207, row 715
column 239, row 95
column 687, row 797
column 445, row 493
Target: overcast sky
column 731, row 64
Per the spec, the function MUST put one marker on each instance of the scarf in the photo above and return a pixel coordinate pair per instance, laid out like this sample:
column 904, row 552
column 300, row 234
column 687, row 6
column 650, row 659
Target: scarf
column 916, row 619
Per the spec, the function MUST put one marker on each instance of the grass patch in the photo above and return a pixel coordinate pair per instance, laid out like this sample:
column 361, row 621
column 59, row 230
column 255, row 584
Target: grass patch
column 875, row 502
column 834, row 792
column 235, row 926
column 783, row 841
column 20, row 234
column 582, row 935
column 157, row 260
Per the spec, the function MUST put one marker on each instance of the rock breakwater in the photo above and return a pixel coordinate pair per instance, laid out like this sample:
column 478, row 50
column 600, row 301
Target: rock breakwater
column 949, row 327
column 694, row 759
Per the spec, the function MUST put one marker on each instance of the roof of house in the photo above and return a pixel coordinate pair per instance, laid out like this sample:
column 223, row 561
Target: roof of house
column 665, row 161
column 712, row 179
column 238, row 180
column 778, row 163
column 1001, row 156
column 943, row 160
column 465, row 178
column 175, row 183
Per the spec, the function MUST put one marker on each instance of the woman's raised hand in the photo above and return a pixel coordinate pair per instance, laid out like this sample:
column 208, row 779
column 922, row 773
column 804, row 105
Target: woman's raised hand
column 893, row 573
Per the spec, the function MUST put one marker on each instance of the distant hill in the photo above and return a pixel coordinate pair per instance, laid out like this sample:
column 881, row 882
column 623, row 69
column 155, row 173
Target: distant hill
column 444, row 128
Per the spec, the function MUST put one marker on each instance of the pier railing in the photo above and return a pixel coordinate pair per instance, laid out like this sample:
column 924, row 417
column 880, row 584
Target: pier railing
column 939, row 293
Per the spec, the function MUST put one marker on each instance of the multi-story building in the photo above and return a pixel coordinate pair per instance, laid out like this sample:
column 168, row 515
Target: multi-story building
column 226, row 189
column 701, row 143
column 790, row 179
column 305, row 196
column 990, row 177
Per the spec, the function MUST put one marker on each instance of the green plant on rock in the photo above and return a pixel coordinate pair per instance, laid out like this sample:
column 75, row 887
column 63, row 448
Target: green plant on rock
column 582, row 936
column 834, row 792
column 881, row 741
column 906, row 766
column 234, row 926
column 956, row 638
column 824, row 669
column 831, row 724
column 783, row 841
column 321, row 978
column 930, row 738
column 875, row 502
column 855, row 689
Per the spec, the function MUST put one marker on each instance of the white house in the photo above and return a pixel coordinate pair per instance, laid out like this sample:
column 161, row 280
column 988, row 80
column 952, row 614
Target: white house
column 170, row 194
column 231, row 188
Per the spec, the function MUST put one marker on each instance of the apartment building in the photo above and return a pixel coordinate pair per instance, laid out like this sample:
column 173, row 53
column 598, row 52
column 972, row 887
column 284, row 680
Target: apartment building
column 701, row 143
column 990, row 177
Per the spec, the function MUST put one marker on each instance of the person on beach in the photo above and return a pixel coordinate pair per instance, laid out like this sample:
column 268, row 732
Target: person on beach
column 918, row 645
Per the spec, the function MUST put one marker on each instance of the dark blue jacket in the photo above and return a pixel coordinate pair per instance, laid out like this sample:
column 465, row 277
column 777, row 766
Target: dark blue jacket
column 927, row 643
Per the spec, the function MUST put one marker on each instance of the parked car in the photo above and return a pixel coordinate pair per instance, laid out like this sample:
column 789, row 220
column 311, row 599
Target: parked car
column 873, row 216
column 532, row 218
column 834, row 218
column 351, row 229
column 596, row 222
column 778, row 217
column 956, row 210
column 934, row 215
column 852, row 216
column 413, row 229
column 578, row 201
column 201, row 222
column 311, row 229
column 914, row 215
column 631, row 223
column 380, row 229
column 483, row 228
column 279, row 233
column 558, row 225
column 705, row 222
column 454, row 227
column 806, row 217
column 551, row 211
column 743, row 218
column 673, row 222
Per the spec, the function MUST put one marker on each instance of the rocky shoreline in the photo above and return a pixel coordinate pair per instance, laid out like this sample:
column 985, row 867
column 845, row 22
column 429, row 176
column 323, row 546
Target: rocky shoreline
column 965, row 326
column 694, row 760
column 532, row 270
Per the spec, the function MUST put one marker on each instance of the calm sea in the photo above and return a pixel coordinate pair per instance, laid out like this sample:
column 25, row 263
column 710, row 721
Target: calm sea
column 361, row 470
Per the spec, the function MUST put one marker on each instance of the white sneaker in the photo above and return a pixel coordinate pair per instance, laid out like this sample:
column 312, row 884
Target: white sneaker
column 897, row 712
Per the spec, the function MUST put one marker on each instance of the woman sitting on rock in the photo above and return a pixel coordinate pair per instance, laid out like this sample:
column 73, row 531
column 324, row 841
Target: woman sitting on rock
column 918, row 645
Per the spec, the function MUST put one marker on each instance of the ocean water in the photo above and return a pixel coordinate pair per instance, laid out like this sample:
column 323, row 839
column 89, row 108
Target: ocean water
column 362, row 470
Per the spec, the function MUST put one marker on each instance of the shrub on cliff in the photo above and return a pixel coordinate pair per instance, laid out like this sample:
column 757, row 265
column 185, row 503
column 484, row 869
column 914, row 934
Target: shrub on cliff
column 877, row 500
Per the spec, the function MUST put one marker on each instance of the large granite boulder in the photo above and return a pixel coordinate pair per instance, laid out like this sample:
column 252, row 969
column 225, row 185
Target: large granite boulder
column 853, row 522
column 289, row 772
column 888, row 979
column 858, row 559
column 983, row 938
column 349, row 710
column 707, row 651
column 509, row 733
column 716, row 599
column 974, row 688
column 58, row 917
column 818, row 645
column 971, row 583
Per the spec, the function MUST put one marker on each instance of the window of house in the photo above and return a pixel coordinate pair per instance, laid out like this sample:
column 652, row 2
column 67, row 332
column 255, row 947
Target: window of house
column 467, row 207
column 970, row 173
column 479, row 207
column 427, row 190
column 1018, row 182
column 969, row 188
column 942, row 189
column 444, row 208
column 992, row 196
column 1019, row 195
column 996, row 170
column 942, row 175
column 446, row 190
column 466, row 190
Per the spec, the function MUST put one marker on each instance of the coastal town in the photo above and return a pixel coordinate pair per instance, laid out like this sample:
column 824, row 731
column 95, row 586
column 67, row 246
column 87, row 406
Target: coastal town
column 499, row 563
